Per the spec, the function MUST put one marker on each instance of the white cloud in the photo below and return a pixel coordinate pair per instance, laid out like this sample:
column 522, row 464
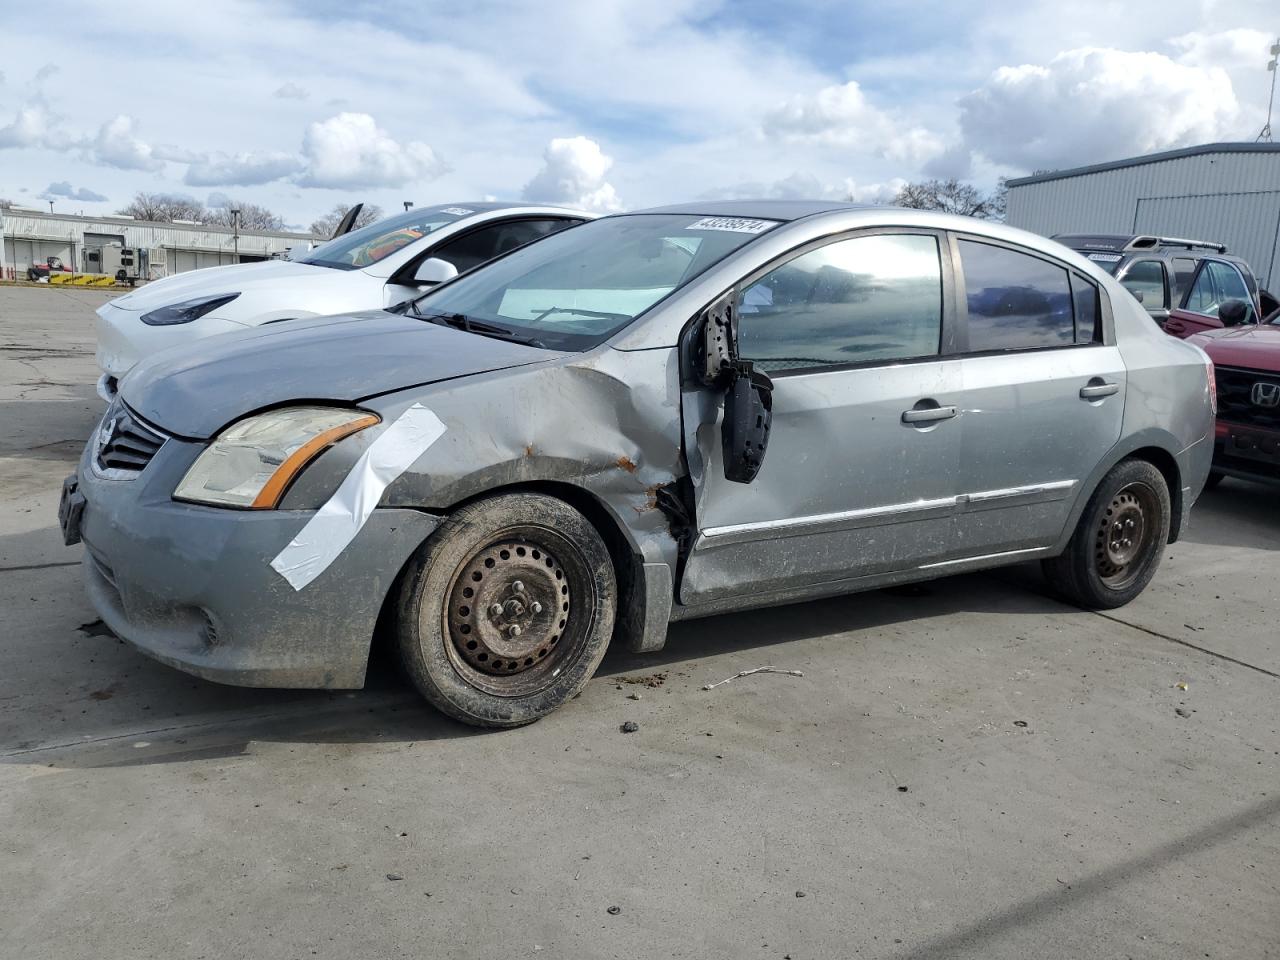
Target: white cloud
column 35, row 127
column 350, row 151
column 242, row 169
column 1095, row 104
column 805, row 186
column 116, row 146
column 63, row 189
column 843, row 116
column 573, row 173
column 291, row 91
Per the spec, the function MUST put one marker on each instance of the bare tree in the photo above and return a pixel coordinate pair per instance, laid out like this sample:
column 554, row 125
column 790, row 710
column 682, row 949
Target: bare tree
column 252, row 216
column 322, row 228
column 163, row 208
column 952, row 196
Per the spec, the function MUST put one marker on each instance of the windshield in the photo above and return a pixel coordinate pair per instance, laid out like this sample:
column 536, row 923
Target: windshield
column 1107, row 261
column 577, row 288
column 368, row 245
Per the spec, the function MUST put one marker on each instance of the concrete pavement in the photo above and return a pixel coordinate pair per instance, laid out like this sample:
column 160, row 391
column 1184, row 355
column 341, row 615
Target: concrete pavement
column 966, row 769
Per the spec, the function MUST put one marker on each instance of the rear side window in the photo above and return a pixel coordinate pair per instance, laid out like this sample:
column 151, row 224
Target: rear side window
column 1146, row 278
column 852, row 301
column 1016, row 301
column 1084, row 296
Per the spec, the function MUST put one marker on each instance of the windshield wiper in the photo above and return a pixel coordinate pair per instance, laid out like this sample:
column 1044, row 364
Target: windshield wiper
column 597, row 314
column 460, row 321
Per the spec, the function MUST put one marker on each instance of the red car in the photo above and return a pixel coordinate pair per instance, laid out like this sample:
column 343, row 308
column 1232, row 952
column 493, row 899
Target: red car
column 1246, row 360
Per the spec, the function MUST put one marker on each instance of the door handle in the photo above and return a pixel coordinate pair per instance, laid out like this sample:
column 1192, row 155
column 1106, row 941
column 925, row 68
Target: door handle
column 928, row 414
column 1097, row 389
column 1174, row 326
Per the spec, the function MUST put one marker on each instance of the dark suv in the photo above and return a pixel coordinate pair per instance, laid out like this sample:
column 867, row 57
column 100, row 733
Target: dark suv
column 1181, row 283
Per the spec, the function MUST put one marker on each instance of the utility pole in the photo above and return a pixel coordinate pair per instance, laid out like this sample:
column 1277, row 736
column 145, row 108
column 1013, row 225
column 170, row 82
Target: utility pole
column 407, row 205
column 235, row 231
column 1265, row 135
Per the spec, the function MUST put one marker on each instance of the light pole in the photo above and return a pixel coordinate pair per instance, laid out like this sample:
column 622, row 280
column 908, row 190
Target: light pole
column 1265, row 135
column 235, row 232
column 407, row 205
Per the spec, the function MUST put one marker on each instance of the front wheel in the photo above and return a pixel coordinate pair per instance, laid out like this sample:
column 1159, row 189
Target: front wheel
column 1116, row 547
column 507, row 609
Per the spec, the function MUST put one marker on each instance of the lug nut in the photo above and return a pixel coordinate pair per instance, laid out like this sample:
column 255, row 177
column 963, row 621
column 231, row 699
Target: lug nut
column 517, row 586
column 495, row 610
column 536, row 607
column 515, row 630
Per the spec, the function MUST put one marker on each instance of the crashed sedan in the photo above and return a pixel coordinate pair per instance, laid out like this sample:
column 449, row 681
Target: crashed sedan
column 651, row 417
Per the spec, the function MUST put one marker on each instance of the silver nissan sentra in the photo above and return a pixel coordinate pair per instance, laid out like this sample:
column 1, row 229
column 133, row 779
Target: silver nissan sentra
column 649, row 417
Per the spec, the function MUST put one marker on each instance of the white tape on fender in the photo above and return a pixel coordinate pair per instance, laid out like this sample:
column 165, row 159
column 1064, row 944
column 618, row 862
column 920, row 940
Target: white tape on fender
column 336, row 524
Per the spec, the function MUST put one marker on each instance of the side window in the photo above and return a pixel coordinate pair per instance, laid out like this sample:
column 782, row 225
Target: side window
column 483, row 244
column 1184, row 269
column 1084, row 295
column 1146, row 277
column 1016, row 301
column 851, row 301
column 1216, row 283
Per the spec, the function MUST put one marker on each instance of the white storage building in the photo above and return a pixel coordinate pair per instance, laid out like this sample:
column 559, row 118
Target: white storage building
column 33, row 235
column 1226, row 192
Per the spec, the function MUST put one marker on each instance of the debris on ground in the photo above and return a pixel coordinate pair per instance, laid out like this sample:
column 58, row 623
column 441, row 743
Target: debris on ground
column 633, row 696
column 394, row 876
column 903, row 789
column 614, row 911
column 747, row 673
column 629, row 727
column 1181, row 712
column 1019, row 723
column 799, row 893
column 1182, row 685
column 95, row 628
column 652, row 680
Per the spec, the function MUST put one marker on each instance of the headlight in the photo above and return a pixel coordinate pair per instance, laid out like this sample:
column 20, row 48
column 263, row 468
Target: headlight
column 186, row 311
column 252, row 462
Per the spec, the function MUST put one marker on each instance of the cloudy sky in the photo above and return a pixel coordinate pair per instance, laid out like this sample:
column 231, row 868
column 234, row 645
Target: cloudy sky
column 610, row 104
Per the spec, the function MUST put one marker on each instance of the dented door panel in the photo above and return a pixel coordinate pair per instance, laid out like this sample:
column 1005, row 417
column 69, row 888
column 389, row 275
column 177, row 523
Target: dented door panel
column 847, row 488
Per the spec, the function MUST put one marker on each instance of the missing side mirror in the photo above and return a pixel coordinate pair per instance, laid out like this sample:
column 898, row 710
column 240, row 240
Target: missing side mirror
column 717, row 342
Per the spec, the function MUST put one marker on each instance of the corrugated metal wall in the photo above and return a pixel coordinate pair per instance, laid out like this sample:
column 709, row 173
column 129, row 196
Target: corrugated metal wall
column 1233, row 198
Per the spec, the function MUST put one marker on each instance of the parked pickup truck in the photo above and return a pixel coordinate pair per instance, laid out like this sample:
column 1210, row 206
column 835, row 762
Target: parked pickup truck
column 1246, row 361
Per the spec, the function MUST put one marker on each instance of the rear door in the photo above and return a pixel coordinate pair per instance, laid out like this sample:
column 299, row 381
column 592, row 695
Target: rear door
column 1146, row 280
column 1041, row 400
column 859, row 477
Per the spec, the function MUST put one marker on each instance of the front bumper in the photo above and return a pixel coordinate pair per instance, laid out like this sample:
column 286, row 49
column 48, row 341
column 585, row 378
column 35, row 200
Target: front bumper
column 1247, row 452
column 123, row 339
column 192, row 586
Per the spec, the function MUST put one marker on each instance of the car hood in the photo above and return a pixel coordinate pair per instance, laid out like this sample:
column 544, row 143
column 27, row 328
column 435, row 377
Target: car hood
column 236, row 278
column 1254, row 347
column 196, row 389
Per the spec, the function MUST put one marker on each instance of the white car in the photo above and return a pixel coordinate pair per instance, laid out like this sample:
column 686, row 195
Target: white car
column 371, row 268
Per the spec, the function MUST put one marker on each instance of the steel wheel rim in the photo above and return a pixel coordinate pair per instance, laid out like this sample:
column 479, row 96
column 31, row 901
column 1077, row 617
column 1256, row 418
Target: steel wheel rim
column 496, row 589
column 1122, row 540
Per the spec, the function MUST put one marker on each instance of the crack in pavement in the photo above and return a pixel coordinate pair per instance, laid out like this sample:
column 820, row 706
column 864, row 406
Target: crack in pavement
column 41, row 566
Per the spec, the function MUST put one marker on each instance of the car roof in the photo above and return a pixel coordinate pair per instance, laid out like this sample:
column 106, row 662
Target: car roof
column 784, row 210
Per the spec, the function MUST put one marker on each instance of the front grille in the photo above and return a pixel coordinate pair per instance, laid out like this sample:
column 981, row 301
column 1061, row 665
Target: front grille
column 1236, row 397
column 125, row 444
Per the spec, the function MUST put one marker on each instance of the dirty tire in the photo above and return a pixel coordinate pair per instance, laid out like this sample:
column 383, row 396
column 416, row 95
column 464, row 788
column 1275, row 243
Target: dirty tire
column 1213, row 480
column 523, row 561
column 1117, row 544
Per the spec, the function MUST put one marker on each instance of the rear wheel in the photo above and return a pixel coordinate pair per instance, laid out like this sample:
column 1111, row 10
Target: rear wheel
column 506, row 611
column 1116, row 547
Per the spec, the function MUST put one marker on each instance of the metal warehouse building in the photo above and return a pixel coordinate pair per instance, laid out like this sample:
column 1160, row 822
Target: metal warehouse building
column 1227, row 192
column 164, row 248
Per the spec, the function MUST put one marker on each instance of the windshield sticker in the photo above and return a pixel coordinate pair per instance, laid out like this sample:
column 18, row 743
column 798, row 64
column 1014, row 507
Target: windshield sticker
column 1104, row 257
column 733, row 224
column 457, row 211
